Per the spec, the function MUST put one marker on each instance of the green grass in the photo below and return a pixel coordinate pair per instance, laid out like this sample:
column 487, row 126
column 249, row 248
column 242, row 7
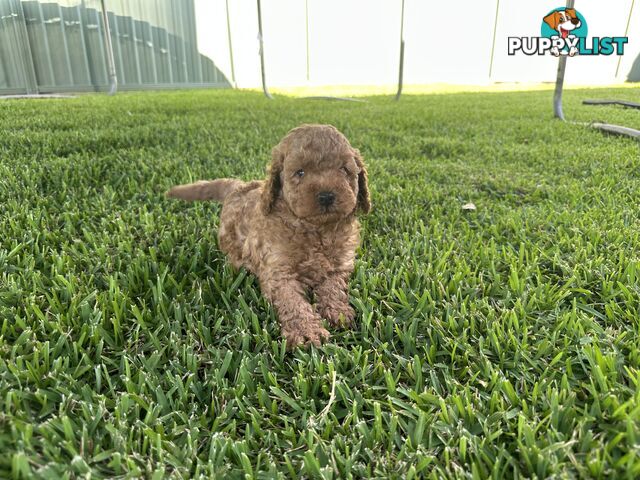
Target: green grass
column 496, row 343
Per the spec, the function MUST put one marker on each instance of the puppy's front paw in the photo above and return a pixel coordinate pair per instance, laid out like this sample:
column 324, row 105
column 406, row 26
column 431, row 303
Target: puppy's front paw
column 305, row 333
column 337, row 315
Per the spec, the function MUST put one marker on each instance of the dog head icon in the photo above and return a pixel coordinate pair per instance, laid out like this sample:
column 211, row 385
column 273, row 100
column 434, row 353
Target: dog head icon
column 563, row 21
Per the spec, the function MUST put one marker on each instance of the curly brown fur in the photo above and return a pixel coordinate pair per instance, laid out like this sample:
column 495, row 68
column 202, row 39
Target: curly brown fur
column 297, row 231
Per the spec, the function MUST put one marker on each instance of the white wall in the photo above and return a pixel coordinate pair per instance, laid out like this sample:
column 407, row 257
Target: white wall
column 448, row 42
column 357, row 41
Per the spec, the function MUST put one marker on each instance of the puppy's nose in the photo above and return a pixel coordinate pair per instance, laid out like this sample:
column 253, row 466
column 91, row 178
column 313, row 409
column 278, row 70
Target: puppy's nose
column 326, row 198
column 575, row 21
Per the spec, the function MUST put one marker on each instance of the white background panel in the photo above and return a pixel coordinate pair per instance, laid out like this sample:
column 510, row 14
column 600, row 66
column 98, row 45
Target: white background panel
column 357, row 41
column 354, row 41
column 448, row 41
column 283, row 25
column 244, row 36
column 211, row 23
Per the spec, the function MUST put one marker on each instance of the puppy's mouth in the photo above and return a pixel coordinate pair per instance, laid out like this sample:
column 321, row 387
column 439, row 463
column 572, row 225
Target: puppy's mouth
column 326, row 210
column 326, row 215
column 571, row 26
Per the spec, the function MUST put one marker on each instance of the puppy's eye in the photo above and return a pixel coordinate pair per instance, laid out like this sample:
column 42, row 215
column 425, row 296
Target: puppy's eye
column 300, row 173
column 345, row 170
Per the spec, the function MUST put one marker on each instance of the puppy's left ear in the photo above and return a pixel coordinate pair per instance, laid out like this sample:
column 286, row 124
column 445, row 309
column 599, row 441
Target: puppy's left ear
column 364, row 201
column 553, row 20
column 272, row 186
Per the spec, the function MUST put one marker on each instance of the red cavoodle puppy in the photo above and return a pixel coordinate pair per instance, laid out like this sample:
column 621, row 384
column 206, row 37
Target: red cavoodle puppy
column 297, row 231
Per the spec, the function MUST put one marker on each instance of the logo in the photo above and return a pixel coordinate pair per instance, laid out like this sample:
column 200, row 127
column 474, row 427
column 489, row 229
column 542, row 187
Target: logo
column 564, row 32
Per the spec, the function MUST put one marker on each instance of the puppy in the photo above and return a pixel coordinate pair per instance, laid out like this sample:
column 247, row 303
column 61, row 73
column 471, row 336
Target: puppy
column 564, row 22
column 297, row 231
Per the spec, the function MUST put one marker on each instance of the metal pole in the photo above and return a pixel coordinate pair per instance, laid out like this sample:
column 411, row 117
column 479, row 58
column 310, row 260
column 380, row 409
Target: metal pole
column 626, row 34
column 306, row 19
column 111, row 65
column 493, row 43
column 562, row 67
column 264, row 81
column 233, row 69
column 25, row 53
column 557, row 95
column 401, row 66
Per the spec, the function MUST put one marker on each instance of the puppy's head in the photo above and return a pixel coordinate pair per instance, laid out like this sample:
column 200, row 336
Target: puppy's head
column 563, row 21
column 319, row 175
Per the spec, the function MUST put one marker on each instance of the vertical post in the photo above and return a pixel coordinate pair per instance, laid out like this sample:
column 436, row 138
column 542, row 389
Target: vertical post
column 182, row 38
column 47, row 49
column 134, row 45
column 562, row 66
column 233, row 68
column 66, row 45
column 163, row 20
column 493, row 43
column 111, row 65
column 25, row 53
column 306, row 19
column 401, row 65
column 83, row 40
column 626, row 34
column 154, row 67
column 264, row 81
column 557, row 95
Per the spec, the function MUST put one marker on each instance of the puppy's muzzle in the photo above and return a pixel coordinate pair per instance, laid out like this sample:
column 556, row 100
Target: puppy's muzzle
column 326, row 199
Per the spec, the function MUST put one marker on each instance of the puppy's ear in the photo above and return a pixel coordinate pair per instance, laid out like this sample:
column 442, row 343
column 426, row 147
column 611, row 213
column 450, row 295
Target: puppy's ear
column 553, row 20
column 364, row 201
column 273, row 184
column 571, row 12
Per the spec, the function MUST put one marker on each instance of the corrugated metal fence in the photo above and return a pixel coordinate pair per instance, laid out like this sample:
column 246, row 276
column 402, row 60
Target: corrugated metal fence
column 59, row 46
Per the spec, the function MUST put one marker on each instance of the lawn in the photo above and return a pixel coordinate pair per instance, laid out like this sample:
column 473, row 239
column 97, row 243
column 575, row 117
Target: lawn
column 498, row 342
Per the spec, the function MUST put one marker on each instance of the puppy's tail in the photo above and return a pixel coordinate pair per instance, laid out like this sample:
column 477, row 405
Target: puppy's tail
column 216, row 190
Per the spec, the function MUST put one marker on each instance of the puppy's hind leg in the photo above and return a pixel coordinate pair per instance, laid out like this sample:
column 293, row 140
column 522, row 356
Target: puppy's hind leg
column 216, row 190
